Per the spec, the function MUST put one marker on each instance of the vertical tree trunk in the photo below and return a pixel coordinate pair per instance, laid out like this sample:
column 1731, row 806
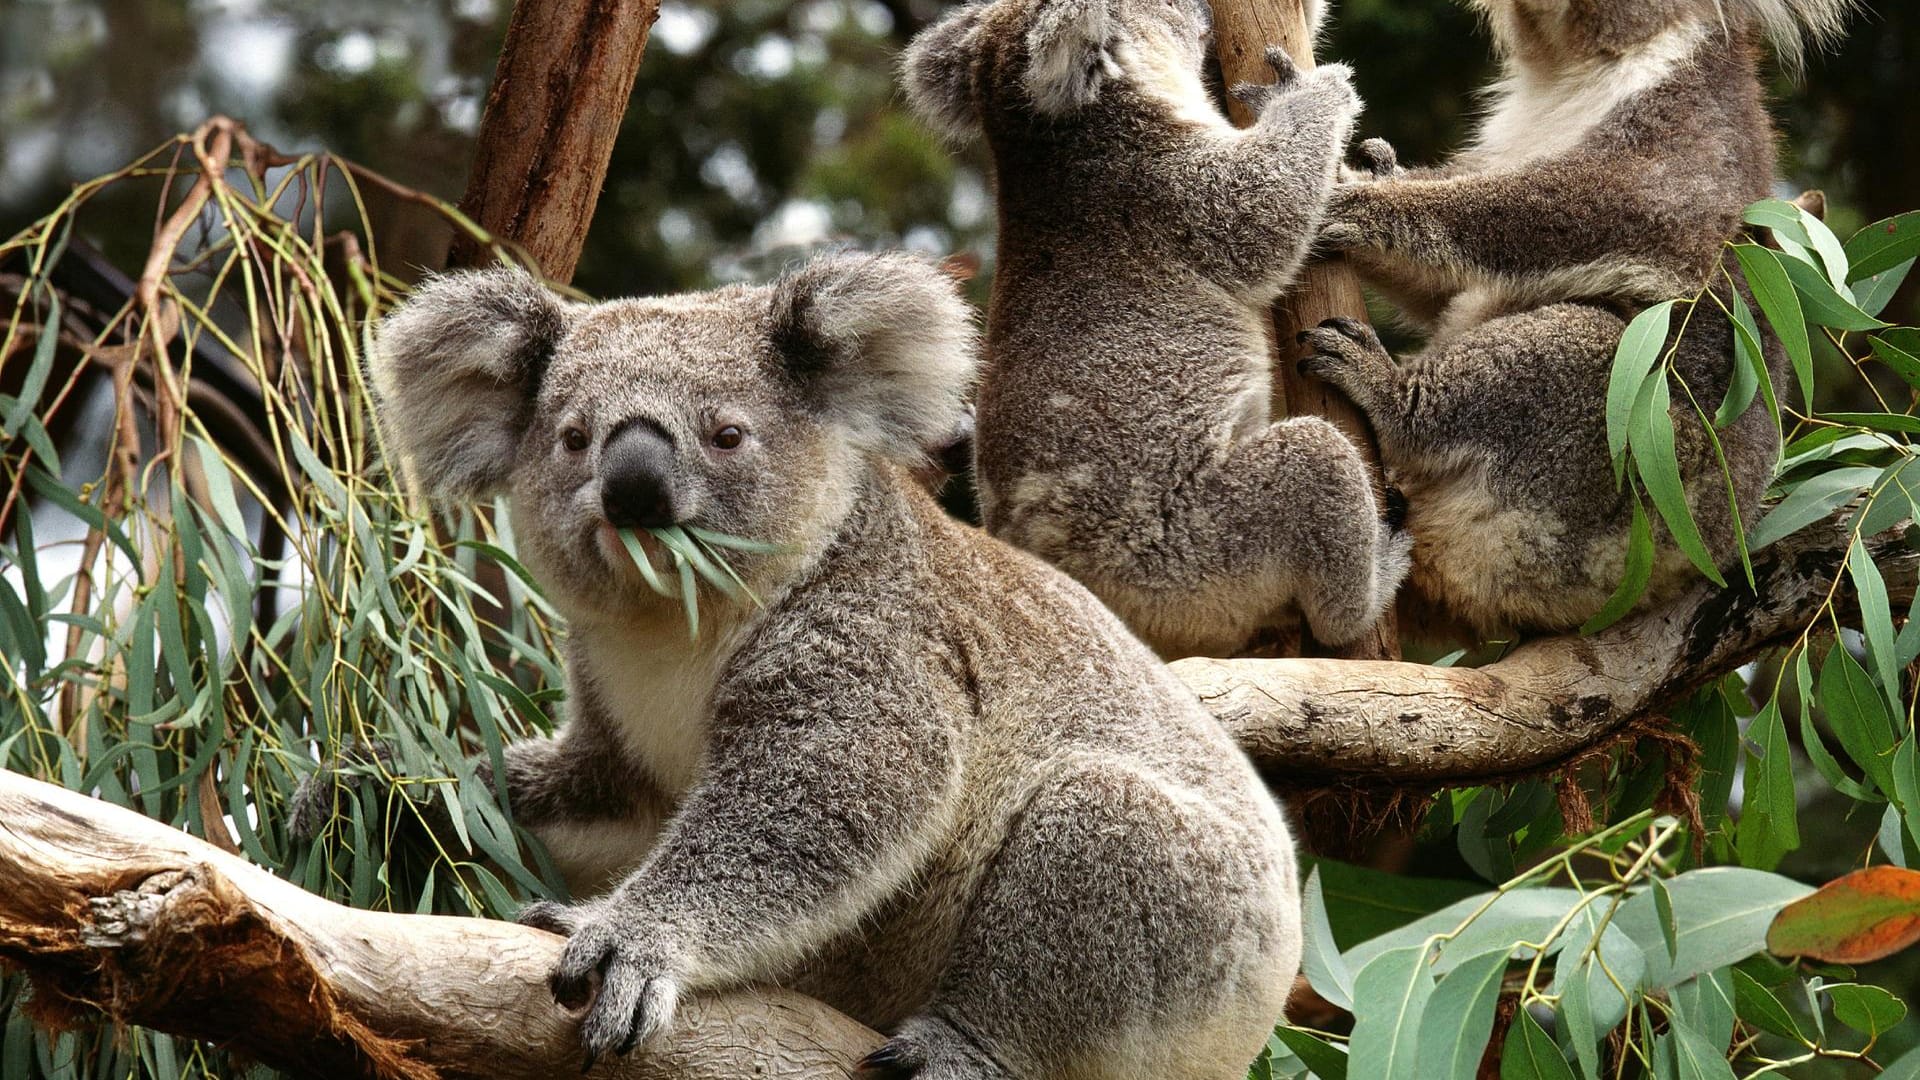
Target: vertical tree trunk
column 1242, row 31
column 558, row 96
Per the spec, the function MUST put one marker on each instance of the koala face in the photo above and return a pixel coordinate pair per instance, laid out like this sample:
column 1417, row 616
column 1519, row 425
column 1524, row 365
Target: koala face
column 748, row 411
column 1047, row 58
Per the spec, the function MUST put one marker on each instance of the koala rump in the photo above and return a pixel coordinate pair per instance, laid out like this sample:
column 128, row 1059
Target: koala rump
column 926, row 779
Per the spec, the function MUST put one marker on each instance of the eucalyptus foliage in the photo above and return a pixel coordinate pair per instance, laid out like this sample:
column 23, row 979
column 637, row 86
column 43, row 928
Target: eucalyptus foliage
column 1640, row 949
column 251, row 597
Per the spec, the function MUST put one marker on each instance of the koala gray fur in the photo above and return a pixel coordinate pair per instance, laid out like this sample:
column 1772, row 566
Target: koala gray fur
column 1614, row 162
column 1123, row 430
column 931, row 781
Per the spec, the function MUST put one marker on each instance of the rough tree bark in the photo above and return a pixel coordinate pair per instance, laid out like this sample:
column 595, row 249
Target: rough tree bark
column 1308, row 722
column 1242, row 31
column 546, row 136
column 108, row 910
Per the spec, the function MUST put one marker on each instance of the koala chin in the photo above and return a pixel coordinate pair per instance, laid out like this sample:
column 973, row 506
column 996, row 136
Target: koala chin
column 928, row 779
column 1611, row 167
column 1124, row 431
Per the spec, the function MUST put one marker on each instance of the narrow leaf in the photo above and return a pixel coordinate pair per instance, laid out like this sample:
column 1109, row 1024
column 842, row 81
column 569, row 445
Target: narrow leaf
column 1633, row 358
column 1775, row 294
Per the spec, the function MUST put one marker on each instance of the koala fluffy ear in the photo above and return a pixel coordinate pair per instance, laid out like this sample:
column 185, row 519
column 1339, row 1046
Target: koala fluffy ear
column 937, row 73
column 1070, row 54
column 884, row 344
column 455, row 371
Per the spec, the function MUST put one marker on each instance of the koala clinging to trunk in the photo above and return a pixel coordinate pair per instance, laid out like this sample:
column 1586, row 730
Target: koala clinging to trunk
column 1123, row 429
column 927, row 779
column 1611, row 167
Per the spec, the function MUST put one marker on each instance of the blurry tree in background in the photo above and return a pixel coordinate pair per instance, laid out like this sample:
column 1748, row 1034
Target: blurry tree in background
column 757, row 127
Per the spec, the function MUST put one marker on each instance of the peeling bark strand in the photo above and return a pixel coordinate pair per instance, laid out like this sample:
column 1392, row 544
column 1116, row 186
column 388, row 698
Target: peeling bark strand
column 1394, row 724
column 106, row 909
column 547, row 134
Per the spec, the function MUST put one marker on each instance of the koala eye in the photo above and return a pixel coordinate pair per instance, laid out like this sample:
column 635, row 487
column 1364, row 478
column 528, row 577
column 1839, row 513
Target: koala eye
column 728, row 438
column 575, row 439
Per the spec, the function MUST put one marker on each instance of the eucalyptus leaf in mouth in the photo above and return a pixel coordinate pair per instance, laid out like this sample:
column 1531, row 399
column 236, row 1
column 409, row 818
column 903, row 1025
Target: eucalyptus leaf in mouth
column 698, row 555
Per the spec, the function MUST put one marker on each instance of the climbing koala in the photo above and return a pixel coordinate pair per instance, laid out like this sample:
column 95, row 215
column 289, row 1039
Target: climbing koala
column 1124, row 430
column 1611, row 168
column 927, row 779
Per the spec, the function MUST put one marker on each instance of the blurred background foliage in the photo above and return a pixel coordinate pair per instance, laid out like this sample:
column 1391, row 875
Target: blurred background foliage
column 756, row 128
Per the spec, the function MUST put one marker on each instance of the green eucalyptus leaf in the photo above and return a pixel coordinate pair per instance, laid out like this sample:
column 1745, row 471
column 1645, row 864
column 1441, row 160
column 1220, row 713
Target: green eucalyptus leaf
column 1633, row 360
column 1390, row 997
column 1774, row 292
column 1530, row 1054
column 1459, row 1017
column 1883, row 245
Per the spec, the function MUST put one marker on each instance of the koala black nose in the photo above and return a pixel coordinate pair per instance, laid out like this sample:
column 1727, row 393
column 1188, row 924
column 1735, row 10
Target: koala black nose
column 636, row 477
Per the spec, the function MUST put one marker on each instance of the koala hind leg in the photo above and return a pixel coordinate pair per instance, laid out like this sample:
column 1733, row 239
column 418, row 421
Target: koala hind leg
column 1088, row 954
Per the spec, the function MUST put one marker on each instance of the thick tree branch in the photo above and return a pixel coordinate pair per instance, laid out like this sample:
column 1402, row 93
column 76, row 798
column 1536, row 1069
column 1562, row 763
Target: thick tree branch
column 1242, row 31
column 558, row 96
column 1386, row 723
column 107, row 909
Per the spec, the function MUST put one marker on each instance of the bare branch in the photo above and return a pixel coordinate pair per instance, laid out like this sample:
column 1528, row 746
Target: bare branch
column 1410, row 724
column 107, row 909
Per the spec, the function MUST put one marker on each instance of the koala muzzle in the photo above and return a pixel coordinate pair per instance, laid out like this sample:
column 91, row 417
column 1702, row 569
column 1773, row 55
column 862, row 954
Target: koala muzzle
column 636, row 477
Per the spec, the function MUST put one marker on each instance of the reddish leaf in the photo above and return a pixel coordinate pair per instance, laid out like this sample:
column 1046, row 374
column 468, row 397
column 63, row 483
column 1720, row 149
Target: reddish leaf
column 1862, row 917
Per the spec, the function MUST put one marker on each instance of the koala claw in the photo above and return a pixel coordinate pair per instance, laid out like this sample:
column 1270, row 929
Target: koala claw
column 1341, row 347
column 633, row 994
column 1379, row 158
column 1342, row 236
column 1359, row 332
column 895, row 1060
column 1281, row 62
column 550, row 916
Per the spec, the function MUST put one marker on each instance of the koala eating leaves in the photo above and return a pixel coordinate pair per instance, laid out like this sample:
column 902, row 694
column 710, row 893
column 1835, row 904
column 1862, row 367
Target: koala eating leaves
column 1123, row 430
column 1613, row 164
column 928, row 780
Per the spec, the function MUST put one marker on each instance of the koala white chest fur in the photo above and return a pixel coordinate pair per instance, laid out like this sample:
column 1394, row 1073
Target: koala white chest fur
column 929, row 779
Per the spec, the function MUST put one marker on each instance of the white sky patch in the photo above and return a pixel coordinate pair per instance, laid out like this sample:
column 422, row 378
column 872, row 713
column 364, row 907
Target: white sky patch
column 797, row 223
column 480, row 11
column 251, row 56
column 874, row 18
column 27, row 156
column 928, row 239
column 728, row 169
column 352, row 53
column 770, row 58
column 829, row 126
column 683, row 29
column 969, row 204
column 675, row 227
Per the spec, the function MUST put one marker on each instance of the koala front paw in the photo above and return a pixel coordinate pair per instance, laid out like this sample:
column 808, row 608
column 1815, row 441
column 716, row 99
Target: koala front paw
column 626, row 975
column 1380, row 159
column 1348, row 224
column 316, row 799
column 1348, row 354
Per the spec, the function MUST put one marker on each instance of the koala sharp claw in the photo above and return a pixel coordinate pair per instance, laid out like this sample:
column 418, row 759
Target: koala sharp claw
column 1394, row 507
column 627, row 986
column 1360, row 332
column 895, row 1060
